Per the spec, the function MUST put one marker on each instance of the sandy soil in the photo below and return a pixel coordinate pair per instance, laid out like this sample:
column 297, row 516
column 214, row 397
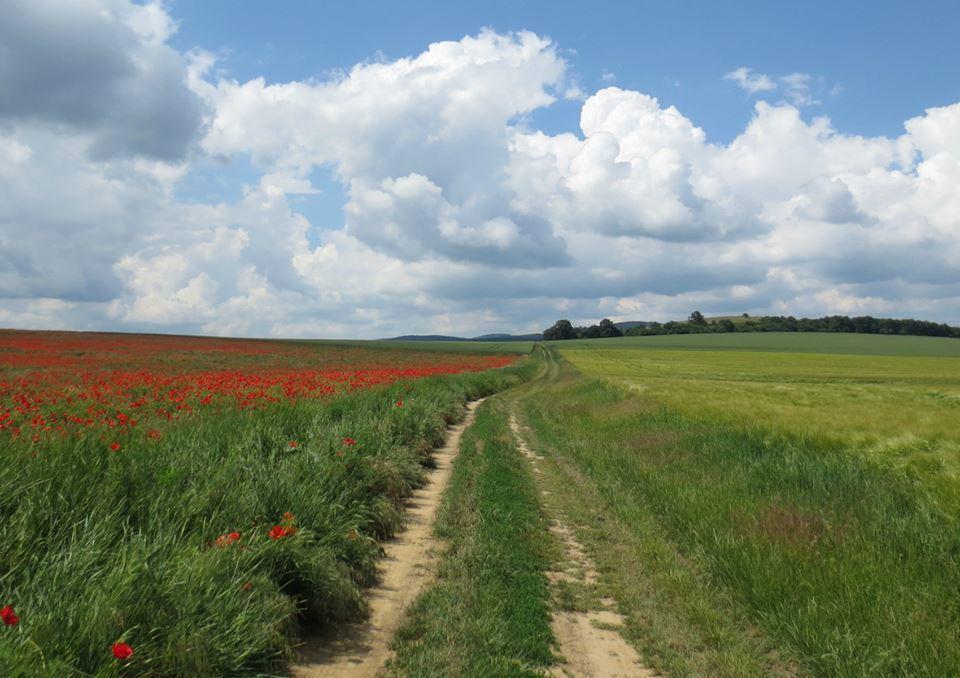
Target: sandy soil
column 362, row 648
column 589, row 642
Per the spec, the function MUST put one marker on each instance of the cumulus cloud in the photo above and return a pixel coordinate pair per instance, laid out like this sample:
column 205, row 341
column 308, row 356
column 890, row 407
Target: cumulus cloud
column 459, row 215
column 100, row 67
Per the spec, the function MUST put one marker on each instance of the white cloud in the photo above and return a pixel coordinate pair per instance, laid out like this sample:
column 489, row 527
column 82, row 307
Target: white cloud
column 459, row 215
column 749, row 81
column 796, row 88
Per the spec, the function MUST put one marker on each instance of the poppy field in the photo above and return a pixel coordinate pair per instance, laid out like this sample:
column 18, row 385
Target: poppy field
column 179, row 505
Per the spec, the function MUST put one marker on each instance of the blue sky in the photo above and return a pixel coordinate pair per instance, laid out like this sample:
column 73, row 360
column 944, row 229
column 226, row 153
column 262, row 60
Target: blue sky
column 890, row 59
column 370, row 169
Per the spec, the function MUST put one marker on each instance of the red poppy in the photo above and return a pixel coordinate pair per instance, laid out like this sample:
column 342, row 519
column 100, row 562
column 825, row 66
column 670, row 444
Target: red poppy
column 247, row 586
column 281, row 531
column 400, row 403
column 115, row 447
column 227, row 539
column 288, row 517
column 349, row 441
column 293, row 444
column 122, row 651
column 9, row 617
column 153, row 434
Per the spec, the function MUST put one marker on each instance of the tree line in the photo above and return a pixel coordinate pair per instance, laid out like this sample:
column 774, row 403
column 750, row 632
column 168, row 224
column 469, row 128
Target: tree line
column 564, row 329
column 697, row 324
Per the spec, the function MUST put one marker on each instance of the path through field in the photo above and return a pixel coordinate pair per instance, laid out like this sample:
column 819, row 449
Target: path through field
column 362, row 648
column 589, row 642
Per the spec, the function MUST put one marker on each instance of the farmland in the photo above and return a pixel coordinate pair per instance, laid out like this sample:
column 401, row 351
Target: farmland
column 183, row 505
column 748, row 505
column 783, row 509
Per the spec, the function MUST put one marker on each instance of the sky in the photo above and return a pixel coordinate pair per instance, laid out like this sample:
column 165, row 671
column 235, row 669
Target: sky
column 369, row 169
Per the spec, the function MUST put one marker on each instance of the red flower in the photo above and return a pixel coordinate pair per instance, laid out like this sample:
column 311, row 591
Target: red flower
column 349, row 441
column 122, row 651
column 288, row 517
column 281, row 531
column 8, row 616
column 115, row 447
column 293, row 444
column 153, row 434
column 400, row 403
column 227, row 539
column 247, row 586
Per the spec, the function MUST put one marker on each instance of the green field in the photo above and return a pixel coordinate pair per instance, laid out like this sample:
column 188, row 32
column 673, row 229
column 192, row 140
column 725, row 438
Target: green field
column 752, row 504
column 785, row 342
column 900, row 408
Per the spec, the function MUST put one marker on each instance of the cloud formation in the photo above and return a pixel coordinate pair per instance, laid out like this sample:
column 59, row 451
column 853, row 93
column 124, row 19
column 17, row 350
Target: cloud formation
column 460, row 216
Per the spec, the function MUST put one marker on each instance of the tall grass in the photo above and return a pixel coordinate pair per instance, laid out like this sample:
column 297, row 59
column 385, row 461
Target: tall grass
column 855, row 569
column 488, row 612
column 99, row 546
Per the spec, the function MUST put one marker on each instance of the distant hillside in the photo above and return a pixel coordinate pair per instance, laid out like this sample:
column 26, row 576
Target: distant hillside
column 630, row 324
column 425, row 337
column 484, row 337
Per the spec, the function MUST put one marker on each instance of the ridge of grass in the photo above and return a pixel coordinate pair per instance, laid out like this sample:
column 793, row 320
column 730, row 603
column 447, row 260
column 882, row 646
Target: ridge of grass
column 487, row 614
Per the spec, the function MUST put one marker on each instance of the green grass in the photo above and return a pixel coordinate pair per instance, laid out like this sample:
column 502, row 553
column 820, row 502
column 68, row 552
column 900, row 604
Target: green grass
column 899, row 410
column 98, row 546
column 705, row 528
column 487, row 614
column 789, row 342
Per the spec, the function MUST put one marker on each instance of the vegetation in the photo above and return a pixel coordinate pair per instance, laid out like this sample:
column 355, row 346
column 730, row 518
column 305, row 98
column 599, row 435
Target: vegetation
column 563, row 329
column 697, row 324
column 899, row 410
column 845, row 565
column 487, row 614
column 236, row 497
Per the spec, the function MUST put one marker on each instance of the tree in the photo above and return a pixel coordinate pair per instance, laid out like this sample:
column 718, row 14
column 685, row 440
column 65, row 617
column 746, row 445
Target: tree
column 696, row 318
column 727, row 325
column 562, row 329
column 608, row 329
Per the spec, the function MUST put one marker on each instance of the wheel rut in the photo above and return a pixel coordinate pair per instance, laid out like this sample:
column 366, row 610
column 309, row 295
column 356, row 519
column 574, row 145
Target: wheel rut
column 362, row 648
column 590, row 644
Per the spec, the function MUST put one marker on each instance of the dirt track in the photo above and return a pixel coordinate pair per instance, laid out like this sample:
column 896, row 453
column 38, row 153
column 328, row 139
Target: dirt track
column 362, row 648
column 589, row 642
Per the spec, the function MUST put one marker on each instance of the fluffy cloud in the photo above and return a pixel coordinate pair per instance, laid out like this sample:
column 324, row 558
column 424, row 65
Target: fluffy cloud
column 459, row 215
column 98, row 67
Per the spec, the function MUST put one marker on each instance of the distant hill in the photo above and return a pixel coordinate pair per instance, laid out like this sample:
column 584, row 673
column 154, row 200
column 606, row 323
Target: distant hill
column 630, row 324
column 484, row 337
column 425, row 337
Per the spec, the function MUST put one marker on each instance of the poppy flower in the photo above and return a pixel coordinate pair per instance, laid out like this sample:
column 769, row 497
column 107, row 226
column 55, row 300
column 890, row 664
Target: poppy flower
column 247, row 586
column 288, row 517
column 153, row 434
column 115, row 447
column 400, row 403
column 293, row 444
column 227, row 539
column 281, row 531
column 9, row 616
column 122, row 650
column 349, row 441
